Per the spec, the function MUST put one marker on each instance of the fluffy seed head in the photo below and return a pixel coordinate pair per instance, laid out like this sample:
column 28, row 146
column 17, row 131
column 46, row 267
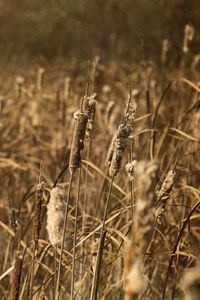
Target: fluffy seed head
column 119, row 145
column 56, row 215
column 130, row 167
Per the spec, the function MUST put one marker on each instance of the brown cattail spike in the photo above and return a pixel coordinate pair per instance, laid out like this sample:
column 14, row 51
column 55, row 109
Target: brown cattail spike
column 37, row 212
column 81, row 119
column 91, row 116
column 119, row 145
column 13, row 219
column 164, row 194
column 16, row 277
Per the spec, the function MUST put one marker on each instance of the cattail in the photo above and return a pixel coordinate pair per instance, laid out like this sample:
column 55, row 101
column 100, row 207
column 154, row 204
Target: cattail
column 188, row 37
column 94, row 251
column 118, row 147
column 165, row 50
column 145, row 181
column 13, row 219
column 191, row 283
column 16, row 277
column 19, row 82
column 164, row 194
column 130, row 167
column 37, row 212
column 81, row 119
column 91, row 116
column 56, row 215
column 130, row 113
column 40, row 79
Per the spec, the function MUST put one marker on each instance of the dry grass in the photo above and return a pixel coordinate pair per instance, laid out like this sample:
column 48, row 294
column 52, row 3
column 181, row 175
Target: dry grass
column 120, row 235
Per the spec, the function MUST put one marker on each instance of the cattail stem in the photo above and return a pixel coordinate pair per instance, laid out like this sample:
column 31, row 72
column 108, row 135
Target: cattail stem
column 63, row 237
column 55, row 268
column 16, row 277
column 75, row 235
column 95, row 282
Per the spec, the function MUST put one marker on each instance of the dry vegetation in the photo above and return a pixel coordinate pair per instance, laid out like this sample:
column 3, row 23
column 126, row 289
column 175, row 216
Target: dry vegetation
column 100, row 176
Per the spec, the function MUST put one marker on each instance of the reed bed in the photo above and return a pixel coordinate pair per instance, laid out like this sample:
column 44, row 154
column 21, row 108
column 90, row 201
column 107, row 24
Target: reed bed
column 100, row 177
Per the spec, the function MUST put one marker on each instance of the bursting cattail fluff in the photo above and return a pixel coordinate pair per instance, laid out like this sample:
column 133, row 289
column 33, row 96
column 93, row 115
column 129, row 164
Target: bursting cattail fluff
column 81, row 119
column 91, row 116
column 56, row 215
column 145, row 181
column 165, row 50
column 118, row 147
column 164, row 194
column 19, row 82
column 130, row 167
column 130, row 113
column 188, row 37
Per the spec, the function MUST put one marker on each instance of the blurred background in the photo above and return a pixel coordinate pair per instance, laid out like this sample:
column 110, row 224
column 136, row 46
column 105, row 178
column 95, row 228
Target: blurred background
column 113, row 29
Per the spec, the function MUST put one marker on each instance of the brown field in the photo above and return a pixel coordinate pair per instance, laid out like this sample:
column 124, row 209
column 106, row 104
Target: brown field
column 100, row 175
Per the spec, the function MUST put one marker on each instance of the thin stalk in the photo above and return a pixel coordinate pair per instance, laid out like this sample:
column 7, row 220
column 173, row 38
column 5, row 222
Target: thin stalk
column 95, row 282
column 83, row 258
column 75, row 235
column 132, row 185
column 55, row 268
column 32, row 270
column 63, row 238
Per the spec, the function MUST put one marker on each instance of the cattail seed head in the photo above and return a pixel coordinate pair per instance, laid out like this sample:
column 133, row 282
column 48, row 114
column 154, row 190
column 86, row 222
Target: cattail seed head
column 40, row 79
column 130, row 113
column 56, row 215
column 81, row 119
column 164, row 194
column 16, row 277
column 13, row 219
column 37, row 212
column 130, row 167
column 19, row 82
column 145, row 180
column 91, row 116
column 146, row 173
column 119, row 145
column 165, row 50
column 188, row 37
